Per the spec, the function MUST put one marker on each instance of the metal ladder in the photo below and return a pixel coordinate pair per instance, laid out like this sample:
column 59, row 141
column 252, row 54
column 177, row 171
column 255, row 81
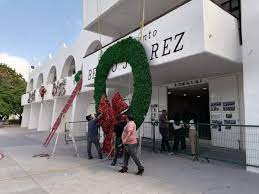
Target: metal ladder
column 63, row 112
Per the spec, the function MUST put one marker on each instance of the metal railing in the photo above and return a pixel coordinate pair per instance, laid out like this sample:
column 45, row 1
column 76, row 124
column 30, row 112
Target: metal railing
column 78, row 129
column 222, row 142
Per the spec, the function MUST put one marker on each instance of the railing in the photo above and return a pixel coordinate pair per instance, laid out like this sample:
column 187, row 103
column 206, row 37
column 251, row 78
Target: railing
column 78, row 129
column 227, row 143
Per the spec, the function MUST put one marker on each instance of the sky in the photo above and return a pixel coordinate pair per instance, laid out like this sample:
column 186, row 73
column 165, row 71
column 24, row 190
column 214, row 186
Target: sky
column 32, row 29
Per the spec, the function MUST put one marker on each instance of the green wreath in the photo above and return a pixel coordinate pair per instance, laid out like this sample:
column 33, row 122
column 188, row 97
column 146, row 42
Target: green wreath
column 131, row 51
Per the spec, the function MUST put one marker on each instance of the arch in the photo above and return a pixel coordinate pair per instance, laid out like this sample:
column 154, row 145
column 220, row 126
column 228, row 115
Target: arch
column 52, row 76
column 69, row 67
column 94, row 46
column 30, row 86
column 39, row 81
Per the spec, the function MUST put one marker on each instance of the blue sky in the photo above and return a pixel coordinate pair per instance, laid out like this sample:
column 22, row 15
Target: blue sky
column 34, row 28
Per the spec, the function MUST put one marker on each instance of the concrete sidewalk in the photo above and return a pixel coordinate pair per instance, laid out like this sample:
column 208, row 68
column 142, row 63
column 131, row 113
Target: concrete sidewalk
column 21, row 173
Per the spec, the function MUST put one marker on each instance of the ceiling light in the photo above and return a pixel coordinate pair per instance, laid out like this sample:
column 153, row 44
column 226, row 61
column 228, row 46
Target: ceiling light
column 169, row 92
column 204, row 88
column 184, row 94
column 198, row 96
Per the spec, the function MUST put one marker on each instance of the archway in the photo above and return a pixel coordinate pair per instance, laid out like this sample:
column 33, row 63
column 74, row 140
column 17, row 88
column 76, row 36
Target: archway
column 39, row 81
column 94, row 46
column 52, row 77
column 30, row 86
column 69, row 67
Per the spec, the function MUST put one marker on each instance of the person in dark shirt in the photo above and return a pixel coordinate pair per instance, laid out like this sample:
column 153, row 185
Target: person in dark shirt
column 93, row 137
column 164, row 131
column 118, row 129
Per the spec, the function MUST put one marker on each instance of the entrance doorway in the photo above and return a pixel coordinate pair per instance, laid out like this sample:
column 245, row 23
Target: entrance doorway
column 185, row 101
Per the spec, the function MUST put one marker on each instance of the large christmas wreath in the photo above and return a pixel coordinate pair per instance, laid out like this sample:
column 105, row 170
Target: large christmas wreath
column 131, row 51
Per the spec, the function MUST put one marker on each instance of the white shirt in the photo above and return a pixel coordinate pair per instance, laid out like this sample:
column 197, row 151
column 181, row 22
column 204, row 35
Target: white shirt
column 176, row 127
column 192, row 125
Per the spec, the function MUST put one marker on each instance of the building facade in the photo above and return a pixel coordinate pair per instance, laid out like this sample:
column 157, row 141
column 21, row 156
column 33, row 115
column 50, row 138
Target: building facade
column 203, row 59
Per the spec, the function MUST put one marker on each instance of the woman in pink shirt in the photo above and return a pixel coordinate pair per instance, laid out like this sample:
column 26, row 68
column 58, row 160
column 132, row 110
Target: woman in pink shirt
column 129, row 139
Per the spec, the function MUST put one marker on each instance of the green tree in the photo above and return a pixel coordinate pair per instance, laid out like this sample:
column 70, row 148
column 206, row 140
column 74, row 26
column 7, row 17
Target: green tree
column 12, row 87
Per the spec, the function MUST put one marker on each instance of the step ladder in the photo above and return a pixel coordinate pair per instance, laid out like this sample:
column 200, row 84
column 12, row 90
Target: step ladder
column 63, row 112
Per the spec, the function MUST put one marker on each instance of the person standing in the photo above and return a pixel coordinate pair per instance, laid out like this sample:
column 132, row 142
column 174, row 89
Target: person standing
column 179, row 135
column 118, row 129
column 93, row 136
column 129, row 139
column 164, row 131
column 192, row 134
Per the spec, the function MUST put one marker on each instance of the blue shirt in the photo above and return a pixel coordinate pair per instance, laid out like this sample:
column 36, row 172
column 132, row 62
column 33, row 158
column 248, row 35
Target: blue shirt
column 93, row 128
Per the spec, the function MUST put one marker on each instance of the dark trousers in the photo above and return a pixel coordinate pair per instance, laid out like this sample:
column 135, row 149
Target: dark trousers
column 95, row 141
column 131, row 150
column 164, row 143
column 118, row 143
column 179, row 137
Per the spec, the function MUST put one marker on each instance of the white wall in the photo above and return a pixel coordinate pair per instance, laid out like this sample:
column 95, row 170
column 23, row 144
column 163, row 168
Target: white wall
column 77, row 50
column 46, row 116
column 250, row 31
column 82, row 107
column 90, row 9
column 159, row 97
column 225, row 89
column 34, row 116
column 220, row 27
column 200, row 24
column 57, row 108
column 26, row 116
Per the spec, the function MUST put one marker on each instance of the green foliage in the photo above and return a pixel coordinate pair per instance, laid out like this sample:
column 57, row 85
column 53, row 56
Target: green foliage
column 131, row 51
column 78, row 76
column 12, row 86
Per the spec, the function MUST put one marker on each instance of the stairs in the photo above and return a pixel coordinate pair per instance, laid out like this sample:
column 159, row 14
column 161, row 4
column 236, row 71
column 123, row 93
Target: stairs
column 63, row 112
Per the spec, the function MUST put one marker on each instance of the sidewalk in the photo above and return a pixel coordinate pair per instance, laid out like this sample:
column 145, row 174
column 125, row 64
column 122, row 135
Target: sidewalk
column 65, row 174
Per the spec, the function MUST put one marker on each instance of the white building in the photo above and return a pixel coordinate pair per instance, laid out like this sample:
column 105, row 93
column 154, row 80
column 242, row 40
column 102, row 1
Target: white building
column 201, row 61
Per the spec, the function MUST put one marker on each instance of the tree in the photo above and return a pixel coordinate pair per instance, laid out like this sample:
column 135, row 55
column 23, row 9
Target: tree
column 12, row 87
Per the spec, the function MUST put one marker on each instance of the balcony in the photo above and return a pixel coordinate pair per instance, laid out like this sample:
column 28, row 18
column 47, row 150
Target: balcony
column 198, row 36
column 118, row 17
column 61, row 88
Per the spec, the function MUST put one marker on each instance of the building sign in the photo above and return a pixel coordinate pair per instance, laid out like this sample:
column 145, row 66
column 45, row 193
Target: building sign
column 165, row 40
column 158, row 49
column 188, row 83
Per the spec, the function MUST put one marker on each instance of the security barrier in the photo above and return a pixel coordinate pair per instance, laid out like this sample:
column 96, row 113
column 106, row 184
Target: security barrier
column 76, row 129
column 227, row 143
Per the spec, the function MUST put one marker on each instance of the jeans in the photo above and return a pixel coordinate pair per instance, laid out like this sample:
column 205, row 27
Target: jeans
column 131, row 150
column 165, row 136
column 95, row 141
column 118, row 143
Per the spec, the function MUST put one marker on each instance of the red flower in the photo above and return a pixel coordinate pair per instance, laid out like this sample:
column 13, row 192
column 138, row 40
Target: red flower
column 107, row 117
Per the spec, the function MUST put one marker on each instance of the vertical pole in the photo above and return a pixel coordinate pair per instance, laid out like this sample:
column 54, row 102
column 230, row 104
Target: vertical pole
column 74, row 143
column 140, row 141
column 154, row 136
column 66, row 133
column 54, row 149
column 197, row 142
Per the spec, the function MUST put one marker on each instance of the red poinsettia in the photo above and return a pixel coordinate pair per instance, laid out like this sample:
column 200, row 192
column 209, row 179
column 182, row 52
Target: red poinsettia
column 107, row 117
